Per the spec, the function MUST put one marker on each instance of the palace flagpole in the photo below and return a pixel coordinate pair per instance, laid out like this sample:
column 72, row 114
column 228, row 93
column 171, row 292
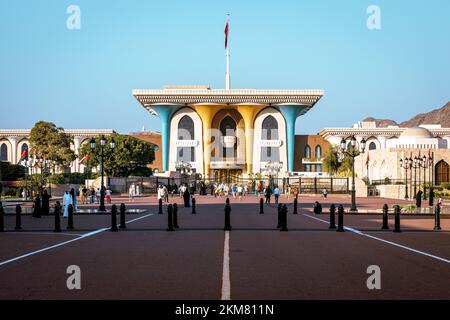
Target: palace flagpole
column 227, row 79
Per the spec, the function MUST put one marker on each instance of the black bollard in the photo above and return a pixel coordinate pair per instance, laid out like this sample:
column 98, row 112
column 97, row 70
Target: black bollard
column 317, row 208
column 123, row 211
column 57, row 217
column 70, row 218
column 175, row 216
column 170, row 218
column 114, row 219
column 340, row 227
column 284, row 218
column 18, row 217
column 193, row 206
column 295, row 206
column 385, row 217
column 332, row 217
column 397, row 218
column 227, row 217
column 280, row 207
column 437, row 218
column 2, row 218
column 160, row 206
column 261, row 206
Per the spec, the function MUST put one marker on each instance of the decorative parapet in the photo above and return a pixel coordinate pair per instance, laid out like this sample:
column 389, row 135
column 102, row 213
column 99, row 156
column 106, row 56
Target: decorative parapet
column 367, row 132
column 148, row 97
column 6, row 133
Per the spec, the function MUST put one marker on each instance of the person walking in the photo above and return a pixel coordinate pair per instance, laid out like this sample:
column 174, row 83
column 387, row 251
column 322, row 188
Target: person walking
column 165, row 194
column 97, row 195
column 240, row 191
column 439, row 202
column 84, row 192
column 73, row 193
column 37, row 207
column 67, row 200
column 108, row 195
column 276, row 194
column 131, row 193
column 268, row 194
column 45, row 208
column 325, row 193
column 92, row 195
column 159, row 192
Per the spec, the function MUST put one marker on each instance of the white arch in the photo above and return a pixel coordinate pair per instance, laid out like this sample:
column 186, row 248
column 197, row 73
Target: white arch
column 257, row 164
column 374, row 140
column 196, row 142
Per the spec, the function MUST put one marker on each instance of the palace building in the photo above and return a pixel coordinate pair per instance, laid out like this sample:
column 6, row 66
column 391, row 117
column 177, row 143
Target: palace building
column 13, row 142
column 382, row 166
column 237, row 131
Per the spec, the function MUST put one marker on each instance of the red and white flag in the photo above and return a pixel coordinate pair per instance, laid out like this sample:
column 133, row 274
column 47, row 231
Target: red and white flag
column 23, row 156
column 226, row 35
column 85, row 158
column 368, row 159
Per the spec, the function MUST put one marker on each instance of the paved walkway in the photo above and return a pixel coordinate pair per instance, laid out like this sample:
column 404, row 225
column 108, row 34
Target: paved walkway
column 201, row 261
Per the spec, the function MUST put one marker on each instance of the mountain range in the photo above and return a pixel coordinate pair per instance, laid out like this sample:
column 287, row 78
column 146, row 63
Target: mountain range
column 438, row 116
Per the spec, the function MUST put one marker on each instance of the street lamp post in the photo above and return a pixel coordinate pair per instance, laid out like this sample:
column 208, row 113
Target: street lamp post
column 112, row 144
column 353, row 153
column 406, row 164
column 28, row 164
column 415, row 167
column 274, row 168
column 184, row 168
column 424, row 165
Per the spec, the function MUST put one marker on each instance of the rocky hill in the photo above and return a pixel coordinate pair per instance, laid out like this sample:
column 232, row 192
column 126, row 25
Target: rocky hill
column 438, row 116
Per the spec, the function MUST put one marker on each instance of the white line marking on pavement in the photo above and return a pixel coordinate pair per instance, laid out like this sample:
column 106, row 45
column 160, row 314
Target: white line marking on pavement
column 226, row 286
column 86, row 235
column 385, row 241
column 44, row 233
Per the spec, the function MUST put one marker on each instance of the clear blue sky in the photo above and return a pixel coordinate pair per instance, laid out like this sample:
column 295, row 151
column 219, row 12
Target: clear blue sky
column 83, row 79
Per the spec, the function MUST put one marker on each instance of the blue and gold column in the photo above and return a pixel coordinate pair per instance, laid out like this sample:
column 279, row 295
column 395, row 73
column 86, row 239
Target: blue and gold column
column 290, row 114
column 165, row 113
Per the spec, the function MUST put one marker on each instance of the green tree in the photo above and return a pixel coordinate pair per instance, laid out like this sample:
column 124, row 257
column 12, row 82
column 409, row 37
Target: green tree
column 334, row 166
column 52, row 142
column 11, row 172
column 130, row 156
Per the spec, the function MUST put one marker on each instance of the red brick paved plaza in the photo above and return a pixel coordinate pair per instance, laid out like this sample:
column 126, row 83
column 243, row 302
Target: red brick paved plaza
column 307, row 262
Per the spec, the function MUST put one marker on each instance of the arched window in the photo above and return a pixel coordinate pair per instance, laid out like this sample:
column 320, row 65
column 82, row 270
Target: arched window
column 4, row 152
column 186, row 128
column 24, row 148
column 372, row 146
column 307, row 152
column 318, row 152
column 228, row 128
column 442, row 172
column 269, row 131
column 186, row 132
